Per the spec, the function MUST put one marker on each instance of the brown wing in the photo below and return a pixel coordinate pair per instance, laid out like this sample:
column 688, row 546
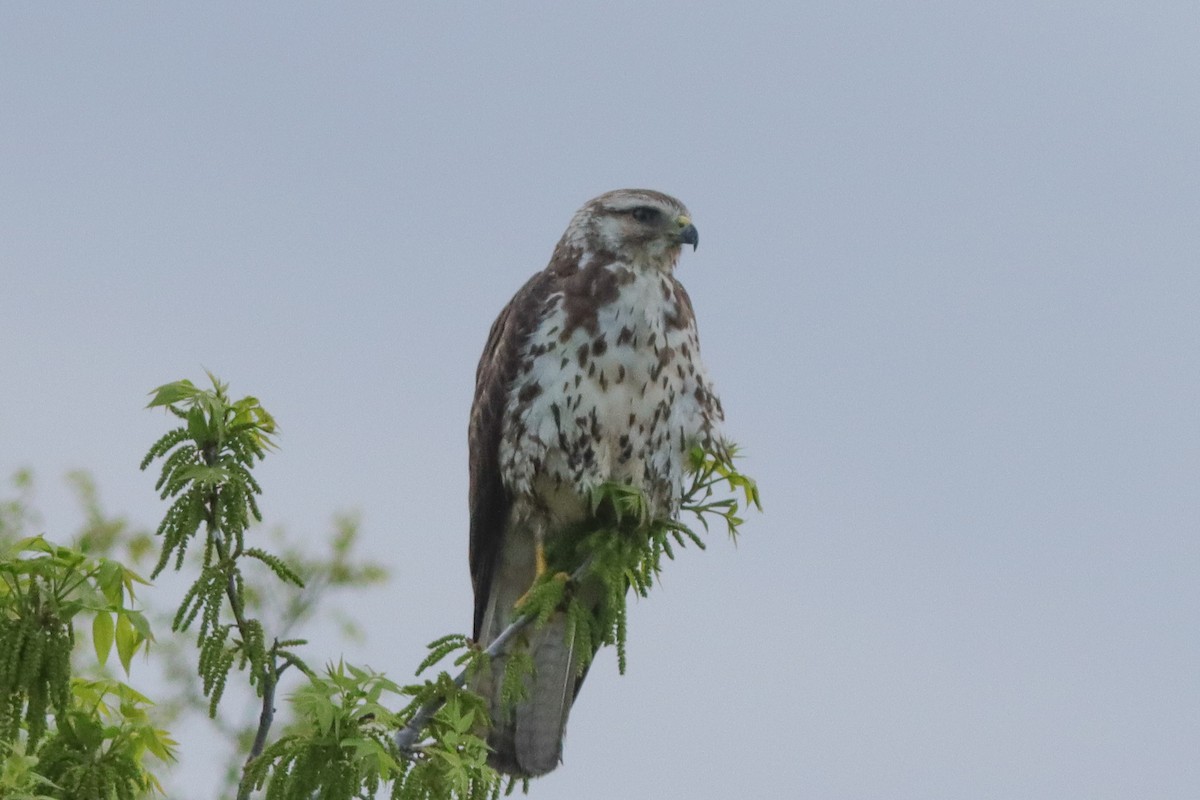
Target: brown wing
column 498, row 368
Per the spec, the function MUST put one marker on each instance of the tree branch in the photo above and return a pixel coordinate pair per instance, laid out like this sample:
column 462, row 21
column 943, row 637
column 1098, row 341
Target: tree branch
column 269, row 675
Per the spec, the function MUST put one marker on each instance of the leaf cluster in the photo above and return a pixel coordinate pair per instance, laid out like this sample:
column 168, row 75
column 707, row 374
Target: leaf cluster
column 94, row 748
column 340, row 748
column 206, row 468
column 110, row 733
column 714, row 486
column 452, row 761
column 43, row 587
column 99, row 746
column 453, row 764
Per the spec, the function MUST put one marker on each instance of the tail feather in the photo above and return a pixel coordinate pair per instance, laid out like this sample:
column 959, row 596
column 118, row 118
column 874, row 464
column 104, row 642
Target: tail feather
column 527, row 740
column 541, row 720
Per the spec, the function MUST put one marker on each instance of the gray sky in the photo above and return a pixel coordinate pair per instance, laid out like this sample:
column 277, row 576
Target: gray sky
column 949, row 292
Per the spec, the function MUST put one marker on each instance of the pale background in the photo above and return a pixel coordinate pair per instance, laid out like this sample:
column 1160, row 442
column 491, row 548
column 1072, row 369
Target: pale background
column 948, row 288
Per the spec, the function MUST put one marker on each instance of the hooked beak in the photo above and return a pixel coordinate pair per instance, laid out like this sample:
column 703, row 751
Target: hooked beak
column 687, row 232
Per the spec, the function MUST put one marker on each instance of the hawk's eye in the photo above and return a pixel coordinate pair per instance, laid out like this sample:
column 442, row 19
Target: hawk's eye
column 644, row 213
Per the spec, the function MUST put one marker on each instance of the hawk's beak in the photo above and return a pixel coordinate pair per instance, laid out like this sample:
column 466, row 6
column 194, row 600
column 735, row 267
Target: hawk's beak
column 687, row 232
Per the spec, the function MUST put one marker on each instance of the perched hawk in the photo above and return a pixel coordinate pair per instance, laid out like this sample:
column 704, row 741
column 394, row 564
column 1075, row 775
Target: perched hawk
column 591, row 373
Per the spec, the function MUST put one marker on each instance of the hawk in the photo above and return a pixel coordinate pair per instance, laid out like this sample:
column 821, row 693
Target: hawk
column 590, row 374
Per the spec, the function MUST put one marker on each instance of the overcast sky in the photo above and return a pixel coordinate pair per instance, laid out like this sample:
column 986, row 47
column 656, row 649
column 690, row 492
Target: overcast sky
column 949, row 291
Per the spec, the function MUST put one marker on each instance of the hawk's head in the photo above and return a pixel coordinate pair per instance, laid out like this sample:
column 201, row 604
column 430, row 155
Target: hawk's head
column 641, row 227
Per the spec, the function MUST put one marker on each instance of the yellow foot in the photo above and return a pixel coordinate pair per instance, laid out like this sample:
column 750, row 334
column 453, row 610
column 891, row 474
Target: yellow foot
column 539, row 569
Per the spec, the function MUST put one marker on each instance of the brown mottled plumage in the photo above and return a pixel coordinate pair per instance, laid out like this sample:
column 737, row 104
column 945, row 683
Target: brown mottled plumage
column 590, row 374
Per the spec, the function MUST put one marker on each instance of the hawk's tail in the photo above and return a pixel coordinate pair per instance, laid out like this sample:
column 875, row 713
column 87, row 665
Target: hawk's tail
column 527, row 739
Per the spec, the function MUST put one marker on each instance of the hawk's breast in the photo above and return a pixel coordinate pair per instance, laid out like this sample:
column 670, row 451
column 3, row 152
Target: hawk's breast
column 611, row 391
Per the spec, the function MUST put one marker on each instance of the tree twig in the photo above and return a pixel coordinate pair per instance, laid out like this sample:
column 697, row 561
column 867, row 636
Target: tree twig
column 267, row 716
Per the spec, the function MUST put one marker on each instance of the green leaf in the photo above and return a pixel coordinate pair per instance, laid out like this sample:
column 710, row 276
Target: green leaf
column 129, row 577
column 140, row 624
column 127, row 641
column 35, row 544
column 170, row 393
column 110, row 579
column 102, row 635
column 161, row 744
column 204, row 476
column 197, row 425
